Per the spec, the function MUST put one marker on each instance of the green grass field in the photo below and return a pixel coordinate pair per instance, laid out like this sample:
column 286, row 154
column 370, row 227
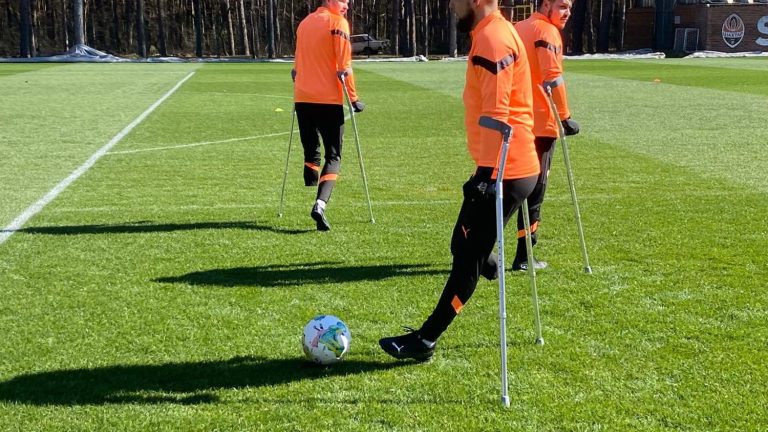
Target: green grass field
column 160, row 291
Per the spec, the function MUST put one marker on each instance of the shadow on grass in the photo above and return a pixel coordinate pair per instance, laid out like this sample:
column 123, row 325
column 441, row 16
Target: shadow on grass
column 178, row 383
column 150, row 227
column 299, row 274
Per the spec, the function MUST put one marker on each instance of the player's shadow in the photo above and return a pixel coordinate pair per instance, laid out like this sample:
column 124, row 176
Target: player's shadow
column 152, row 227
column 179, row 383
column 299, row 274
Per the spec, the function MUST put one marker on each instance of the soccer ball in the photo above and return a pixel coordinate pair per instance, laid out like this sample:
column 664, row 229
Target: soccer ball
column 326, row 339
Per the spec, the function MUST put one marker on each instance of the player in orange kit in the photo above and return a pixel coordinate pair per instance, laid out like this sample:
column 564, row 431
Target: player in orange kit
column 498, row 85
column 541, row 35
column 323, row 58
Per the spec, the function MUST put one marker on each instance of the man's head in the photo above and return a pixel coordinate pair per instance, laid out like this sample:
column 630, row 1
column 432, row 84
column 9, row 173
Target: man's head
column 470, row 12
column 557, row 11
column 337, row 6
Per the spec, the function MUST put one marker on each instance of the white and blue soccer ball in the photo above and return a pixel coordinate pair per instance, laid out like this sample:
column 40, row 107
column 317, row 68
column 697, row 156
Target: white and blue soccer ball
column 326, row 339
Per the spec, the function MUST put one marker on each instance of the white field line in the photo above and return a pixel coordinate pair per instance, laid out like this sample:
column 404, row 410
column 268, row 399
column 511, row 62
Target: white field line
column 205, row 143
column 244, row 94
column 35, row 208
column 245, row 206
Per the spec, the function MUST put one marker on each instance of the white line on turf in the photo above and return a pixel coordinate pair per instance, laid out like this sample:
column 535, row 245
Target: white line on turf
column 204, row 143
column 237, row 206
column 197, row 144
column 35, row 208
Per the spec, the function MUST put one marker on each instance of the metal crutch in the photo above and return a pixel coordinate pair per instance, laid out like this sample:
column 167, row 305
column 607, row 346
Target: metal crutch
column 571, row 185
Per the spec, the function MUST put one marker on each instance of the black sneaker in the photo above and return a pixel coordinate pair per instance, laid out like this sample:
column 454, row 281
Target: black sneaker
column 409, row 345
column 318, row 215
column 523, row 265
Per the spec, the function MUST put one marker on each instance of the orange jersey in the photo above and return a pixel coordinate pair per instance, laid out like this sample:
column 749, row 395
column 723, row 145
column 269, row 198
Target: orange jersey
column 544, row 46
column 498, row 85
column 323, row 50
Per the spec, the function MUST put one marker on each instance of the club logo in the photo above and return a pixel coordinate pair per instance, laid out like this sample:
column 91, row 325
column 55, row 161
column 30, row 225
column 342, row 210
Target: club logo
column 733, row 30
column 762, row 27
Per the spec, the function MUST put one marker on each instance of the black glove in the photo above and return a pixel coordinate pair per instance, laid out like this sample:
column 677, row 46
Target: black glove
column 570, row 126
column 480, row 186
column 293, row 75
column 358, row 106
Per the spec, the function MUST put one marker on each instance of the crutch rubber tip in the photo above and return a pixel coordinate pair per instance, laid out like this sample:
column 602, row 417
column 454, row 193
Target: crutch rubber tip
column 588, row 270
column 505, row 401
column 540, row 341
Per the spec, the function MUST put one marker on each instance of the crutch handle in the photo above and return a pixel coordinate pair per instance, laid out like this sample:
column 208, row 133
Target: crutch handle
column 497, row 125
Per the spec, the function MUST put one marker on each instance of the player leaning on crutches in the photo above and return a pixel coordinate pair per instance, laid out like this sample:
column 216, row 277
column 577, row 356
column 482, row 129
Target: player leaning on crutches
column 541, row 35
column 498, row 85
column 323, row 55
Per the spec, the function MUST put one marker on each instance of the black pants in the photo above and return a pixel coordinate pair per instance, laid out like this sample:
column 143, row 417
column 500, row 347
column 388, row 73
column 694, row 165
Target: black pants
column 471, row 244
column 327, row 120
column 545, row 149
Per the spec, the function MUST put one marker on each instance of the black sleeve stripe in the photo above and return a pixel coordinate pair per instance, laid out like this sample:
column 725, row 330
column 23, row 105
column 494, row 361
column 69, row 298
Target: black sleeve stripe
column 492, row 66
column 337, row 32
column 544, row 44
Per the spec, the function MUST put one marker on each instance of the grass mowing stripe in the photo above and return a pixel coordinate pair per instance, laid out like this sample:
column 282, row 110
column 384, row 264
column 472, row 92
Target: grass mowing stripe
column 730, row 77
column 711, row 131
column 35, row 208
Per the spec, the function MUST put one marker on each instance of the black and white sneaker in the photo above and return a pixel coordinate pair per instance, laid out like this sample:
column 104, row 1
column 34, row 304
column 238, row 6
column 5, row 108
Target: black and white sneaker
column 523, row 265
column 410, row 345
column 318, row 214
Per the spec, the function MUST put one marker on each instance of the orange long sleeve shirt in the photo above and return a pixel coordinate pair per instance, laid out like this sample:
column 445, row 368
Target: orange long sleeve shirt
column 545, row 55
column 498, row 84
column 323, row 50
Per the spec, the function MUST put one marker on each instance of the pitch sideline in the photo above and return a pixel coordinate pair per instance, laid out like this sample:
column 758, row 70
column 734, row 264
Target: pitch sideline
column 35, row 208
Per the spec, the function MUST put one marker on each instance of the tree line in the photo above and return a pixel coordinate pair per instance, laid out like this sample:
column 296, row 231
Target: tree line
column 260, row 28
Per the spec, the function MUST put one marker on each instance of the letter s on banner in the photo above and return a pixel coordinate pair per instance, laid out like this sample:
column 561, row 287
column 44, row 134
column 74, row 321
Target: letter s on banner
column 762, row 27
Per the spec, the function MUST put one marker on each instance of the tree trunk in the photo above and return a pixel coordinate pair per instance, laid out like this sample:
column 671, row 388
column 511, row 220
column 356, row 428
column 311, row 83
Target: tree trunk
column 90, row 27
column 394, row 26
column 162, row 44
column 65, row 25
column 255, row 25
column 577, row 26
column 270, row 29
column 24, row 29
column 590, row 29
column 114, row 31
column 425, row 28
column 33, row 19
column 620, row 26
column 78, row 23
column 410, row 29
column 452, row 45
column 141, row 43
column 604, row 29
column 244, row 45
column 198, row 28
column 226, row 14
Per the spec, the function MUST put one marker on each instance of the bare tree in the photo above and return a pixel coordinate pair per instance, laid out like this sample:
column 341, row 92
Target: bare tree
column 394, row 26
column 270, row 29
column 78, row 23
column 452, row 34
column 244, row 45
column 141, row 40
column 604, row 27
column 198, row 28
column 162, row 45
column 25, row 29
